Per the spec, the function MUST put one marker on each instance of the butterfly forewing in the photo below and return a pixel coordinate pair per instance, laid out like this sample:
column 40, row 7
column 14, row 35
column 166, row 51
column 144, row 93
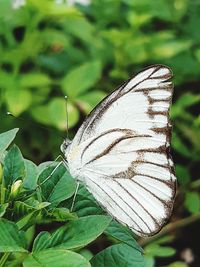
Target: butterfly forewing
column 121, row 152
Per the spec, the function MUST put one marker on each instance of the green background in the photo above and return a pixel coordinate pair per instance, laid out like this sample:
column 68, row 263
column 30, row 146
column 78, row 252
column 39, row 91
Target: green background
column 50, row 50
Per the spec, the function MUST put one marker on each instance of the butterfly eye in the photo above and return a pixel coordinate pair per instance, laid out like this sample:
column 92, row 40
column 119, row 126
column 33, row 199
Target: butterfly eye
column 65, row 145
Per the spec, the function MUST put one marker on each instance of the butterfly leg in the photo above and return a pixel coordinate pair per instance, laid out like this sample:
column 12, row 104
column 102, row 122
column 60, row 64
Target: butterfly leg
column 57, row 166
column 74, row 197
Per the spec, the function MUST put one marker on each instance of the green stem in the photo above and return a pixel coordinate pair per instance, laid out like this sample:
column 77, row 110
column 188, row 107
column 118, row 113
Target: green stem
column 2, row 193
column 4, row 258
column 170, row 228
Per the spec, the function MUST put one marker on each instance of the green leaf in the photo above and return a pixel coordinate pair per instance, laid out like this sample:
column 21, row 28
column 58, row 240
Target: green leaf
column 58, row 11
column 29, row 220
column 158, row 251
column 86, row 254
column 3, row 208
column 86, row 204
column 81, row 78
column 14, row 167
column 178, row 264
column 184, row 72
column 188, row 99
column 164, row 239
column 192, row 202
column 18, row 100
column 180, row 146
column 62, row 215
column 169, row 48
column 56, row 185
column 57, row 112
column 191, row 133
column 118, row 255
column 21, row 209
column 89, row 100
column 122, row 234
column 78, row 25
column 56, row 63
column 182, row 174
column 149, row 261
column 56, row 257
column 6, row 138
column 162, row 10
column 28, row 212
column 82, row 190
column 31, row 172
column 10, row 238
column 34, row 79
column 75, row 234
column 41, row 114
column 56, row 39
column 54, row 113
column 46, row 164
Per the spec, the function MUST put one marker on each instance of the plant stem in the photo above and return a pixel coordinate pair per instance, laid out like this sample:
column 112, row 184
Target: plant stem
column 2, row 193
column 171, row 227
column 4, row 258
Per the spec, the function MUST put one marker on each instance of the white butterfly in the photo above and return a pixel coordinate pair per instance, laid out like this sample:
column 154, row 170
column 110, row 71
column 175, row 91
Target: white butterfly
column 121, row 152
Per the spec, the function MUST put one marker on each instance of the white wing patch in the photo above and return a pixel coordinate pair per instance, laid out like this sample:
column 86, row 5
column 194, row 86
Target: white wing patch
column 121, row 152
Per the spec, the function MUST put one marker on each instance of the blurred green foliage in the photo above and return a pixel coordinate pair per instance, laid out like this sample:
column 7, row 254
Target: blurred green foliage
column 50, row 50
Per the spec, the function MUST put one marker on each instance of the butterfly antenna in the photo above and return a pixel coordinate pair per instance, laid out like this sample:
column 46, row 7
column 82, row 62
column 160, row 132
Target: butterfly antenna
column 67, row 120
column 23, row 120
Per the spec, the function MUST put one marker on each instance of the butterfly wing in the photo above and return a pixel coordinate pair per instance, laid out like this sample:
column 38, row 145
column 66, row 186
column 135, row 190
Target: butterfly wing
column 121, row 152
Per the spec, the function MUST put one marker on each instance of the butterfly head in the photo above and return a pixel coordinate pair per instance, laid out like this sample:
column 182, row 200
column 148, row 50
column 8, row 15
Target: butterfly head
column 65, row 146
column 70, row 157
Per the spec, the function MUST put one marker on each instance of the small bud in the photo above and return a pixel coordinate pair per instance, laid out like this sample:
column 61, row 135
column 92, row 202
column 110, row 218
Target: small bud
column 15, row 188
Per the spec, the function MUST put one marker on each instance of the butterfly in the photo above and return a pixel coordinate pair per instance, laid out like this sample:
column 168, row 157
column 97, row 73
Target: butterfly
column 121, row 152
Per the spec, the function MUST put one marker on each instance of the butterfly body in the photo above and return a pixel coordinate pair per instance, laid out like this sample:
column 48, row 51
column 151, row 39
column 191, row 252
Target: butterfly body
column 121, row 152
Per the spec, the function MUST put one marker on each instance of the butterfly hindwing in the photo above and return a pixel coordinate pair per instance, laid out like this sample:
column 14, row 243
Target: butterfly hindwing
column 121, row 152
